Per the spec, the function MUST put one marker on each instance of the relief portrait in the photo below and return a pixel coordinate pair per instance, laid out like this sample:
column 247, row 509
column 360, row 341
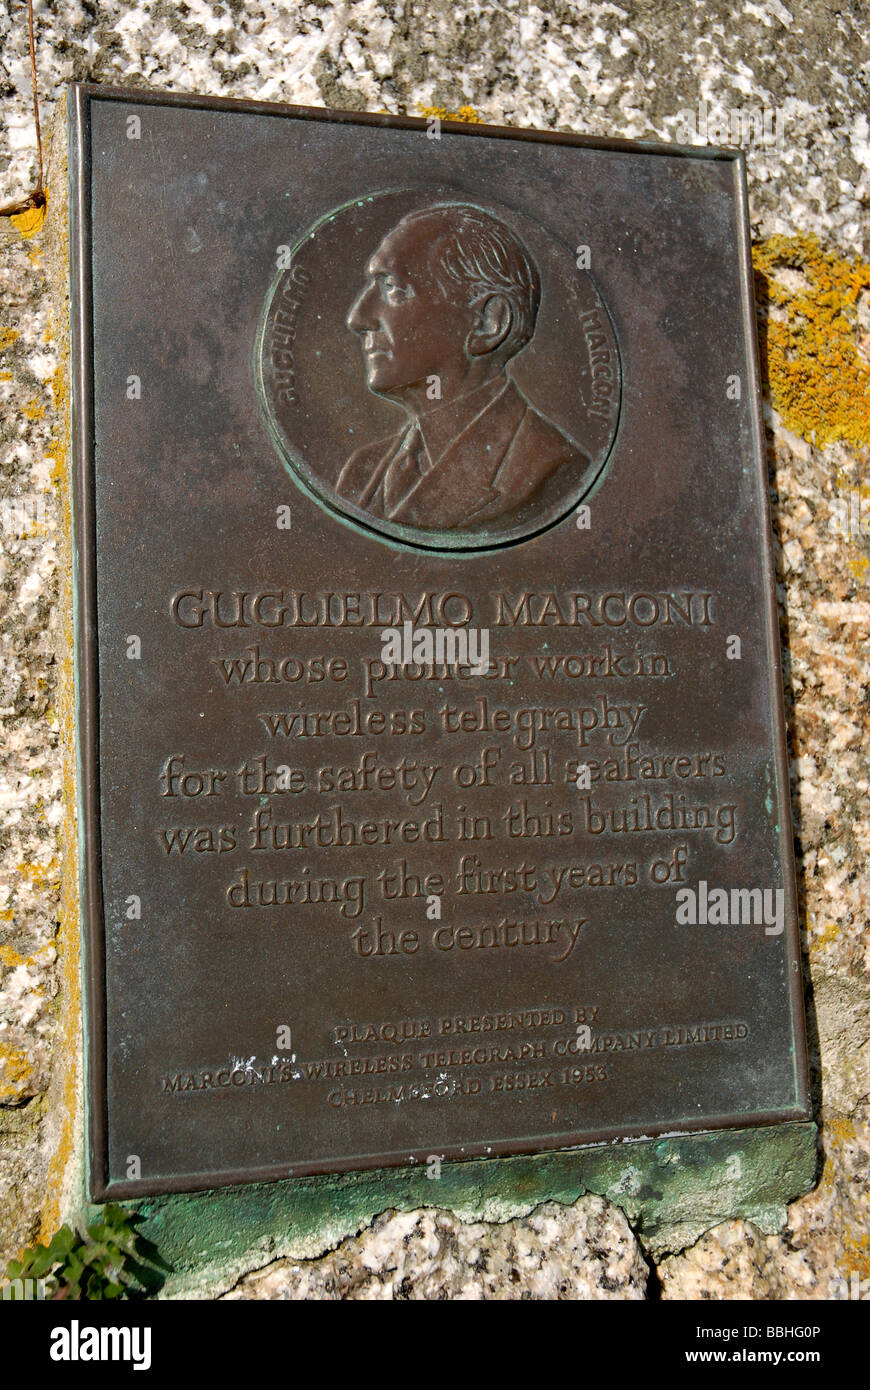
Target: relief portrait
column 438, row 372
column 451, row 297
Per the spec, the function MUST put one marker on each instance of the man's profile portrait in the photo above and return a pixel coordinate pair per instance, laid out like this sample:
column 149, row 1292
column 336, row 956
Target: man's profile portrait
column 452, row 295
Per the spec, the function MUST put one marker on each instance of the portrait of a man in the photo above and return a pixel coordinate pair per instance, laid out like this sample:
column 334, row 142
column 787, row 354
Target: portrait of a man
column 451, row 297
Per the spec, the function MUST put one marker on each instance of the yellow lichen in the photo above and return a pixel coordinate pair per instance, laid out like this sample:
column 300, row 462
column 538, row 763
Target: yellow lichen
column 858, row 566
column 15, row 1072
column 826, row 936
column 465, row 113
column 33, row 410
column 58, row 388
column 56, row 448
column 12, row 959
column 41, row 875
column 30, row 221
column 819, row 382
column 7, row 337
column 838, row 1131
column 856, row 1255
column 843, row 483
column 66, row 1104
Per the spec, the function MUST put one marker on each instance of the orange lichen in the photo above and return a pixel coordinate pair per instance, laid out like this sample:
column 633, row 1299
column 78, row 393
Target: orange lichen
column 41, row 875
column 68, row 945
column 856, row 1255
column 826, row 936
column 15, row 1072
column 56, row 447
column 30, row 221
column 66, row 1099
column 465, row 113
column 58, row 388
column 838, row 1131
column 843, row 483
column 858, row 566
column 819, row 382
column 54, row 450
column 13, row 959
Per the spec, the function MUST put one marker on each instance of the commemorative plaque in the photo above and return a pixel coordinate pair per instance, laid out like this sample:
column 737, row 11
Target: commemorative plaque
column 433, row 780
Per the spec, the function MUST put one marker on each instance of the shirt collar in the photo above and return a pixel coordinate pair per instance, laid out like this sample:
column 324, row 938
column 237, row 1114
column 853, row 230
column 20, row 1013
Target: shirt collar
column 447, row 420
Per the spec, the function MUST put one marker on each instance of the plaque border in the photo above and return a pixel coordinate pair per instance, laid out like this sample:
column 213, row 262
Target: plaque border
column 84, row 557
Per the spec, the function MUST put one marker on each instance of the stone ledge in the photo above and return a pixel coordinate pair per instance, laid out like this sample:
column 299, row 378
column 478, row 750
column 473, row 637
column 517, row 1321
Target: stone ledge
column 671, row 1190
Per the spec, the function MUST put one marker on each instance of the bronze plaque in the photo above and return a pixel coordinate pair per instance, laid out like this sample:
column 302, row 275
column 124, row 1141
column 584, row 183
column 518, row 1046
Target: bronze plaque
column 433, row 779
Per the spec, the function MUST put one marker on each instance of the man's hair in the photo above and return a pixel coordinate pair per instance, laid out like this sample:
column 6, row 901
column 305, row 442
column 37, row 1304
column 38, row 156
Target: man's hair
column 473, row 249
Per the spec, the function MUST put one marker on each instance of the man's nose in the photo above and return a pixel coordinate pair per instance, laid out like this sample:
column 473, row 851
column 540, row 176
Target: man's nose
column 360, row 316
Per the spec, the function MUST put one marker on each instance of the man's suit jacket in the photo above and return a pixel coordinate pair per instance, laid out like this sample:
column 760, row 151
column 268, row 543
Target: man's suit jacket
column 494, row 465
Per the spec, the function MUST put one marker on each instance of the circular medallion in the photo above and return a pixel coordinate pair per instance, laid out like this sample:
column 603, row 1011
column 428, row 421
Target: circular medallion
column 439, row 371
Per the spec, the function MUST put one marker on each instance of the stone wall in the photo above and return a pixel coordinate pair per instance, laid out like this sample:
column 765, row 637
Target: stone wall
column 786, row 80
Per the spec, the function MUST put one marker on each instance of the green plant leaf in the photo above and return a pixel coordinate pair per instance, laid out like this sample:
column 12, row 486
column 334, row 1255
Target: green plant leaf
column 111, row 1260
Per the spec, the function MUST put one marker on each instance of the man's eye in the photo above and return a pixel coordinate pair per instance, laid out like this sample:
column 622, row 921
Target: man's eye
column 394, row 292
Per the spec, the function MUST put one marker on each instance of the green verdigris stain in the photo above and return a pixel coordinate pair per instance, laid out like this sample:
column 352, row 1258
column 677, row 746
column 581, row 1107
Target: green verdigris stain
column 671, row 1189
column 768, row 797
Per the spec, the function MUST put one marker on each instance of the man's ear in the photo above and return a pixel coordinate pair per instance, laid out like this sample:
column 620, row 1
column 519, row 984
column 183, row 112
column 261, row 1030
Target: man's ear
column 495, row 318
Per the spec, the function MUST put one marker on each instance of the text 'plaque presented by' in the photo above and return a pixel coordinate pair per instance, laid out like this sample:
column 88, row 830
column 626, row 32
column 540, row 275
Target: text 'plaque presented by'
column 433, row 774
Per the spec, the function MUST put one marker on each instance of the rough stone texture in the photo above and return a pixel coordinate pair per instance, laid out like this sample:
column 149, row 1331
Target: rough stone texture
column 633, row 69
column 821, row 1253
column 582, row 1252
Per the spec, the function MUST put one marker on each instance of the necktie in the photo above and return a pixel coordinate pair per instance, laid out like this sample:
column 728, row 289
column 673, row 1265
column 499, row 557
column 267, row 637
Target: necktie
column 404, row 471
